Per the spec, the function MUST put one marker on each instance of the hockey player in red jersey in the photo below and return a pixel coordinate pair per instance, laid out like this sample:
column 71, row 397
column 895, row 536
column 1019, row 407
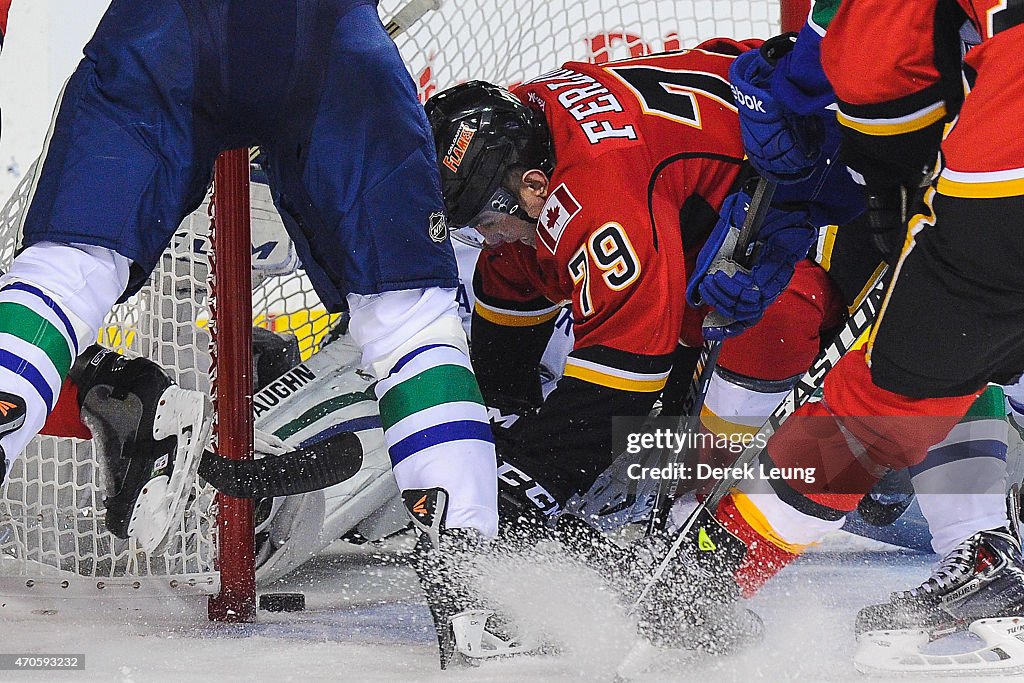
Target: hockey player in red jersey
column 949, row 323
column 598, row 185
column 595, row 184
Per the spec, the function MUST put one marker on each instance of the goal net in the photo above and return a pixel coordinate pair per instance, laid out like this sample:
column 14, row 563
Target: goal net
column 53, row 542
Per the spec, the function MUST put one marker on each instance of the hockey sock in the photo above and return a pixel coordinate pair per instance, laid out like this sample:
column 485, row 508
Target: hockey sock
column 735, row 407
column 434, row 419
column 836, row 449
column 51, row 305
column 766, row 551
column 435, row 423
column 961, row 484
column 66, row 418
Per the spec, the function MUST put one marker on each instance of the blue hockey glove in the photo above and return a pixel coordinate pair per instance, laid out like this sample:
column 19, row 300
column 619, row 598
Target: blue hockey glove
column 780, row 144
column 741, row 294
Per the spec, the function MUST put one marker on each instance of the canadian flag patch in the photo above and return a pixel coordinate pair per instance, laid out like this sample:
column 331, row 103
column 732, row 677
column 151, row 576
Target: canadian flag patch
column 560, row 208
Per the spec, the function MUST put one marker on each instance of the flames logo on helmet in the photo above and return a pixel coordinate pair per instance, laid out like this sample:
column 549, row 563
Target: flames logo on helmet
column 457, row 150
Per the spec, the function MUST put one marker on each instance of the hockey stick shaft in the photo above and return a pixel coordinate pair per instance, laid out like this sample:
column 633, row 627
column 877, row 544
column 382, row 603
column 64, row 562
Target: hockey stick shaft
column 760, row 201
column 808, row 384
column 410, row 13
column 302, row 470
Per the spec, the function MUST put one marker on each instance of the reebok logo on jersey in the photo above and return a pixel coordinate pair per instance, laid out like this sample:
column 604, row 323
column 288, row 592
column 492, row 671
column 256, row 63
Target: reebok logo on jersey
column 560, row 208
column 457, row 150
column 744, row 100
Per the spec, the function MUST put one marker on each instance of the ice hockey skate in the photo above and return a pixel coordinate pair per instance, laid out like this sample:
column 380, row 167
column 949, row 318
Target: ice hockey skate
column 150, row 435
column 443, row 559
column 692, row 609
column 979, row 586
column 12, row 415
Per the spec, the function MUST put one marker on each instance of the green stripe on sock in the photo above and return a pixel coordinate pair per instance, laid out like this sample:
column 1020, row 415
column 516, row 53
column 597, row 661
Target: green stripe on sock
column 323, row 409
column 25, row 324
column 440, row 384
column 824, row 12
column 990, row 404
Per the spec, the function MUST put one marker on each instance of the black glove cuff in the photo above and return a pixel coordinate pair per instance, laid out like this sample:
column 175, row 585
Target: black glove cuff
column 777, row 47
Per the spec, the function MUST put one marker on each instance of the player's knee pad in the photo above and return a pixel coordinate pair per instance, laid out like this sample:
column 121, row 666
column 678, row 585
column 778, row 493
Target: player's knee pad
column 390, row 325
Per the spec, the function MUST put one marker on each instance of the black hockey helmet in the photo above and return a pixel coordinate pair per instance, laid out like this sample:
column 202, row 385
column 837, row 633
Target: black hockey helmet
column 480, row 131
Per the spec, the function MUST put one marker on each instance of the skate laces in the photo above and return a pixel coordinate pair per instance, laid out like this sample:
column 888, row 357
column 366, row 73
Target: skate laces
column 961, row 563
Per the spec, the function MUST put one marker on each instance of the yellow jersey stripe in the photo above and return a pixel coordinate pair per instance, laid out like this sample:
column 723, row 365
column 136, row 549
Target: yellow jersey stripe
column 508, row 319
column 906, row 124
column 606, row 378
column 980, row 190
column 826, row 243
column 914, row 225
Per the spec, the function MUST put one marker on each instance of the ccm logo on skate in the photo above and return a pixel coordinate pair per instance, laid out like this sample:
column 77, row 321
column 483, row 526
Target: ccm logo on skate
column 748, row 101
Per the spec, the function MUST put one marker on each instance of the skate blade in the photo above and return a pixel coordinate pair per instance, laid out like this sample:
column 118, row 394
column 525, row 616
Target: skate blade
column 640, row 658
column 887, row 653
column 161, row 504
column 474, row 641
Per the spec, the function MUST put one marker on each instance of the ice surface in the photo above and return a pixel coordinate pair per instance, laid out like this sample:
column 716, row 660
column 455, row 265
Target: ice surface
column 365, row 621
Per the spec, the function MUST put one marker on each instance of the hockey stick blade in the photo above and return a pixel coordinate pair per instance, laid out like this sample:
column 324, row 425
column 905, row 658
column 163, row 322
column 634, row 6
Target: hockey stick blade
column 412, row 12
column 322, row 464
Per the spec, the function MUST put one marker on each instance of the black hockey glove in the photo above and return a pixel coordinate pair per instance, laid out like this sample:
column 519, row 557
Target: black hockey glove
column 886, row 215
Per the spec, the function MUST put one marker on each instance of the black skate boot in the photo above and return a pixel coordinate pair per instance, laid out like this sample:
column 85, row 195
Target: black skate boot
column 444, row 561
column 693, row 605
column 12, row 417
column 149, row 435
column 983, row 577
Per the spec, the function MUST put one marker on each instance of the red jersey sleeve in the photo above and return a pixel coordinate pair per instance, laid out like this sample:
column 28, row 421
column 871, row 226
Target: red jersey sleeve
column 896, row 71
column 5, row 9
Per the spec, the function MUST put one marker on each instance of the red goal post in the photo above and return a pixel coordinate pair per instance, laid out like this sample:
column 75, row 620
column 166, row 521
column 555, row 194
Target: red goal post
column 52, row 540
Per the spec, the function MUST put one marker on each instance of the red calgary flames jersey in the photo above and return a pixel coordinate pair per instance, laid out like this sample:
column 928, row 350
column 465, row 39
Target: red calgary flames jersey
column 646, row 151
column 907, row 76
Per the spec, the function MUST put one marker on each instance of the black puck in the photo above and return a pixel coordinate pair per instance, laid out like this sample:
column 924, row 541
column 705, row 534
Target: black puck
column 283, row 602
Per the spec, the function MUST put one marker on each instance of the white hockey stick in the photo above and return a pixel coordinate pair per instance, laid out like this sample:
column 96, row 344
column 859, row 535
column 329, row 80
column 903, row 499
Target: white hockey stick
column 412, row 12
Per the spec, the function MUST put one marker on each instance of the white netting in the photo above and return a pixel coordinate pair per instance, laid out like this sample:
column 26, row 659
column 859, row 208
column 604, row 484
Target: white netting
column 510, row 42
column 52, row 537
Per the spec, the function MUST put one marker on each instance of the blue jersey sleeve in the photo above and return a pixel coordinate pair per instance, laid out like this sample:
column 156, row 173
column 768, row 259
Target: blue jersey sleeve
column 800, row 84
